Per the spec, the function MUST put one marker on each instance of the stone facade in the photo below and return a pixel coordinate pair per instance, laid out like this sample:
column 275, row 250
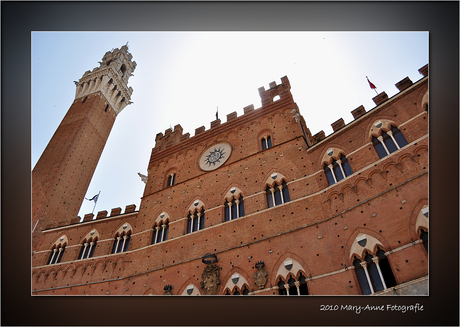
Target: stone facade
column 280, row 210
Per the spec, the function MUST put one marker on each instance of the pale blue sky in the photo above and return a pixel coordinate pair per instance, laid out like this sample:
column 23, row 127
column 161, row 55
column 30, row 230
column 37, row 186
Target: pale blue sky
column 182, row 77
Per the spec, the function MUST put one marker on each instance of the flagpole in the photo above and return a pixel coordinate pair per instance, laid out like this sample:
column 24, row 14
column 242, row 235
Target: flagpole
column 95, row 202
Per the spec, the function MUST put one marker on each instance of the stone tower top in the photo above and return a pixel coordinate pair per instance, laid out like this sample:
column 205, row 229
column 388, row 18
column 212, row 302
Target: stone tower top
column 110, row 78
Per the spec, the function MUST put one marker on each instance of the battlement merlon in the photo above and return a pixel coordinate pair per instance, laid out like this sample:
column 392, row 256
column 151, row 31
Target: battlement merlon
column 89, row 217
column 282, row 90
column 110, row 78
column 169, row 138
column 173, row 137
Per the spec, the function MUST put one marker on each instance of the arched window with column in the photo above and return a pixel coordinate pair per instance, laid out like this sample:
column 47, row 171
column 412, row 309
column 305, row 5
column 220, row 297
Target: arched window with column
column 277, row 194
column 363, row 276
column 234, row 209
column 87, row 249
column 57, row 250
column 88, row 245
column 336, row 165
column 266, row 142
column 371, row 265
column 293, row 286
column 122, row 239
column 374, row 273
column 171, row 179
column 237, row 284
column 387, row 138
column 160, row 232
column 337, row 170
column 291, row 278
column 56, row 254
column 195, row 220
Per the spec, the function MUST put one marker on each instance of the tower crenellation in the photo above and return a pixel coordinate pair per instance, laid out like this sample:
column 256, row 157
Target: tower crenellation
column 110, row 78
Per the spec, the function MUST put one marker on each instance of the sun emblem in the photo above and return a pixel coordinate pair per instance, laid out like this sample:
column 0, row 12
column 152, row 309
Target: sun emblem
column 214, row 157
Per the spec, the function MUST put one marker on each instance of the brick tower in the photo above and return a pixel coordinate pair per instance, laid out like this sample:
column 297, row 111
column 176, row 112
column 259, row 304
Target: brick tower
column 62, row 175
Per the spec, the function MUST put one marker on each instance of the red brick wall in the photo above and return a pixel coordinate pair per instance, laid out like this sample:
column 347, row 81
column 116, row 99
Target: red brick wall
column 62, row 175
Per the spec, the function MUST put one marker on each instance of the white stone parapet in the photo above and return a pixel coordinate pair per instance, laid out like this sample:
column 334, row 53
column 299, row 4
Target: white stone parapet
column 110, row 78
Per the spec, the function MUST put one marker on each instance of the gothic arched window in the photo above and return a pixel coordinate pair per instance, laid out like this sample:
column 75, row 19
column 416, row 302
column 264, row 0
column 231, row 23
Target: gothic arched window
column 293, row 286
column 56, row 254
column 337, row 170
column 121, row 242
column 278, row 194
column 160, row 232
column 374, row 274
column 87, row 249
column 389, row 142
column 195, row 221
column 234, row 209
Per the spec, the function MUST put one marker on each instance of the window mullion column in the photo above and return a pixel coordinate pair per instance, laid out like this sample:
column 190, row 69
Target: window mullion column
column 237, row 208
column 376, row 261
column 230, row 215
column 118, row 244
column 272, row 190
column 90, row 247
column 297, row 285
column 124, row 241
column 162, row 232
column 157, row 233
column 286, row 286
column 364, row 265
column 192, row 217
column 84, row 251
column 54, row 254
column 380, row 138
column 280, row 187
column 331, row 168
column 341, row 168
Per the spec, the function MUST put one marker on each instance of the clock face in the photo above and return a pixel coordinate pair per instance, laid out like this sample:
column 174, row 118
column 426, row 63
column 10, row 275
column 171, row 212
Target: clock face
column 215, row 156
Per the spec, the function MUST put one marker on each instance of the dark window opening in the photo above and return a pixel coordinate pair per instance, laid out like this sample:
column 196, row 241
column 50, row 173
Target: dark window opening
column 266, row 143
column 171, row 180
column 424, row 238
column 385, row 268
